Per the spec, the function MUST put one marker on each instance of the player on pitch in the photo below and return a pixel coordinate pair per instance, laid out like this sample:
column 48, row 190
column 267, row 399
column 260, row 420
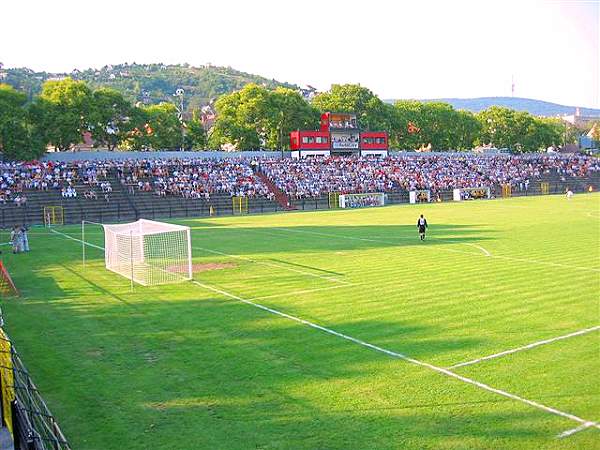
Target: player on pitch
column 422, row 226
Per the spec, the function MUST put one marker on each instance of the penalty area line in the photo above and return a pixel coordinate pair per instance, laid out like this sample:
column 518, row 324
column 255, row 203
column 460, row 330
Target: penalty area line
column 401, row 356
column 526, row 347
column 572, row 431
column 264, row 263
column 485, row 252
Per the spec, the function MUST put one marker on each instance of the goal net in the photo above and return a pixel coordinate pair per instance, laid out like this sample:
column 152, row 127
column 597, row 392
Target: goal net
column 361, row 200
column 149, row 252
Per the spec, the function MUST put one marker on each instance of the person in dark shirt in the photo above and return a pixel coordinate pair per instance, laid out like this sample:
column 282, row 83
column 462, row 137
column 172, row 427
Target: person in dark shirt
column 422, row 226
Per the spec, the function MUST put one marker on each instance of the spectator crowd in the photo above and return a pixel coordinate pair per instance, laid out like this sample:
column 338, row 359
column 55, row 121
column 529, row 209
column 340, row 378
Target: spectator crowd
column 314, row 177
column 201, row 178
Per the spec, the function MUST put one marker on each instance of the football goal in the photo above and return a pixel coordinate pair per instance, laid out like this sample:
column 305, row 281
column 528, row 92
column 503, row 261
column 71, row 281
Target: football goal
column 148, row 252
column 361, row 200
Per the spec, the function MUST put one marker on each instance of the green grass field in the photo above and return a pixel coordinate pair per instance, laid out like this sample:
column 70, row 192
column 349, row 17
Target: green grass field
column 196, row 366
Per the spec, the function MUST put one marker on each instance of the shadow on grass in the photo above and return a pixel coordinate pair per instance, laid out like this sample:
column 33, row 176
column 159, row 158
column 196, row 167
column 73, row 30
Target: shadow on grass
column 184, row 373
column 96, row 287
column 220, row 374
column 309, row 239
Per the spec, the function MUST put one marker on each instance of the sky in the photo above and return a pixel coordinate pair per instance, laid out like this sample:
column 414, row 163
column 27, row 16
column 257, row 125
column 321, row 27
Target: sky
column 398, row 49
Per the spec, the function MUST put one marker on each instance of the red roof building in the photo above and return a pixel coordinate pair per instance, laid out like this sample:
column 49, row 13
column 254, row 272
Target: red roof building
column 339, row 134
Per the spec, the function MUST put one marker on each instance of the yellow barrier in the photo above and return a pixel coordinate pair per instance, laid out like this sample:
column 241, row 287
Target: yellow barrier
column 6, row 380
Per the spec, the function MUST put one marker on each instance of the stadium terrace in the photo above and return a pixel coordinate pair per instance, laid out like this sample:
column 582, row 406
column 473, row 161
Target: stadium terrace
column 266, row 184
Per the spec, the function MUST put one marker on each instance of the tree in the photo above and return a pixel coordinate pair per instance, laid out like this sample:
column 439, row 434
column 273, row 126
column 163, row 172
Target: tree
column 288, row 112
column 240, row 118
column 499, row 127
column 195, row 138
column 517, row 130
column 409, row 124
column 64, row 111
column 155, row 127
column 256, row 117
column 371, row 112
column 20, row 137
column 109, row 120
column 163, row 126
column 139, row 136
column 228, row 131
column 542, row 133
column 433, row 123
column 467, row 129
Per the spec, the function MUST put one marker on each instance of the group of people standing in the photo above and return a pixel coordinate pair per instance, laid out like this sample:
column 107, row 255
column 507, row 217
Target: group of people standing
column 19, row 239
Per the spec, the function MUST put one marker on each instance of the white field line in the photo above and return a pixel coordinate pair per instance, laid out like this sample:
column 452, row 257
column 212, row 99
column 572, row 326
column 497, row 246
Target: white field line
column 76, row 240
column 478, row 247
column 401, row 356
column 572, row 431
column 485, row 252
column 354, row 238
column 305, row 291
column 544, row 263
column 265, row 263
column 527, row 347
column 393, row 354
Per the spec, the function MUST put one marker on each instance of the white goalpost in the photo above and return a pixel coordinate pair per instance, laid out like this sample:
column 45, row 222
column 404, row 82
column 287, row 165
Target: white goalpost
column 147, row 252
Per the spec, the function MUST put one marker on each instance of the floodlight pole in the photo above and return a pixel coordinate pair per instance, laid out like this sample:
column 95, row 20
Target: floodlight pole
column 180, row 93
column 182, row 127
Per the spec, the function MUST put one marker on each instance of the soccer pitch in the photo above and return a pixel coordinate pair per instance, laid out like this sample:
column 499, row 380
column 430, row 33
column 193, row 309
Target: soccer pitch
column 328, row 330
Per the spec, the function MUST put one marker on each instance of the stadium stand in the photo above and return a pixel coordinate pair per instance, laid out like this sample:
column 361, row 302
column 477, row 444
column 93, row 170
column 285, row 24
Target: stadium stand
column 119, row 190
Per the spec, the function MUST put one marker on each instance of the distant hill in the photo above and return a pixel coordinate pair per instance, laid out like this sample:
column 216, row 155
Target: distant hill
column 535, row 107
column 154, row 83
column 149, row 83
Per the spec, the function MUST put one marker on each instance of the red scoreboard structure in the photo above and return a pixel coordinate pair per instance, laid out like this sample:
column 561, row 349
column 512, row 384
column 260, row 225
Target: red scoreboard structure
column 339, row 134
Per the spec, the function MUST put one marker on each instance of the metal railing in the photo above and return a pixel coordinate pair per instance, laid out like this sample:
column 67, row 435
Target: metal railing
column 33, row 425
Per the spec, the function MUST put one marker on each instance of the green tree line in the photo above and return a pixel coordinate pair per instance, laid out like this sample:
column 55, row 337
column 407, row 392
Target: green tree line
column 67, row 109
column 255, row 116
column 250, row 118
